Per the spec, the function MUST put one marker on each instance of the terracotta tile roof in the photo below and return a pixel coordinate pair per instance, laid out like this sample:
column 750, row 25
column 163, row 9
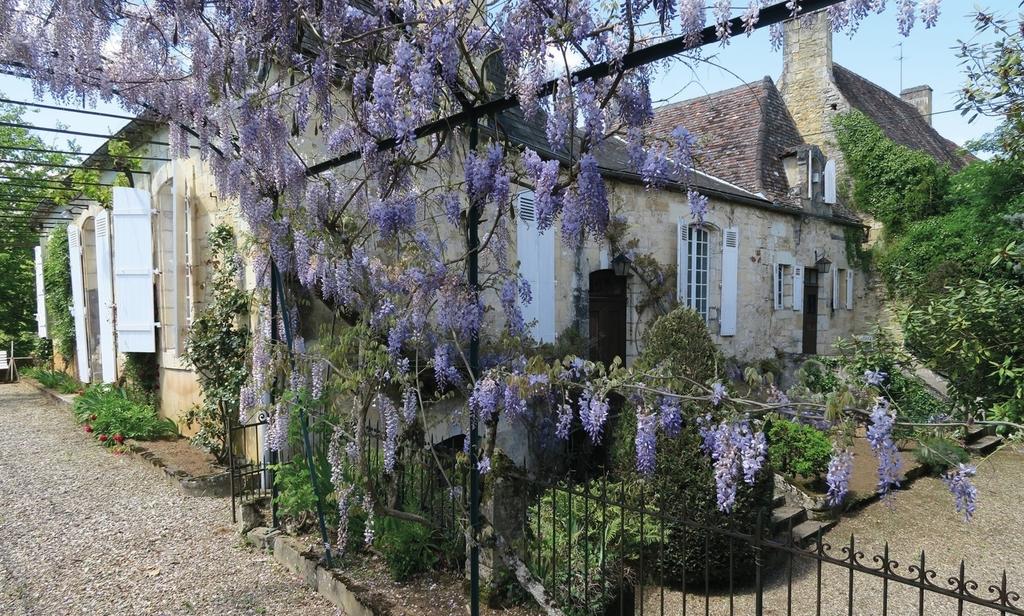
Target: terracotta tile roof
column 899, row 120
column 743, row 132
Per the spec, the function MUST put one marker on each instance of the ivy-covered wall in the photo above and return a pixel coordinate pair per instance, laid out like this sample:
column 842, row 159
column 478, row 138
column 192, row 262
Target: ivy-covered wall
column 57, row 283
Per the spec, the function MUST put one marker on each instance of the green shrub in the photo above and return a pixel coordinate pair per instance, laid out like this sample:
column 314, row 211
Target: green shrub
column 57, row 281
column 54, row 379
column 142, row 374
column 939, row 454
column 110, row 411
column 795, row 449
column 605, row 541
column 679, row 343
column 409, row 548
column 820, row 375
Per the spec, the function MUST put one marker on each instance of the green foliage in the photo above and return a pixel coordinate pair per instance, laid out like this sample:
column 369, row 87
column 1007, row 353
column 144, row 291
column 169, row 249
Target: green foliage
column 680, row 345
column 939, row 454
column 217, row 342
column 795, row 449
column 57, row 283
column 893, row 183
column 819, row 375
column 295, row 496
column 974, row 336
column 54, row 379
column 142, row 374
column 409, row 548
column 110, row 410
column 606, row 543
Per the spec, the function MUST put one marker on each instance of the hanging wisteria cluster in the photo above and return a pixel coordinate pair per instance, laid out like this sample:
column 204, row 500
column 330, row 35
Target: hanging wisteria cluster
column 268, row 92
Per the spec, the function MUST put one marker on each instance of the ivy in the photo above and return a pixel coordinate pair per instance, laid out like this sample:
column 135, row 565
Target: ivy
column 57, row 283
column 217, row 343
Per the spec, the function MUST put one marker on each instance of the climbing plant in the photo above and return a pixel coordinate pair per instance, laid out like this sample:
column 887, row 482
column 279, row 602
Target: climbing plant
column 217, row 342
column 57, row 281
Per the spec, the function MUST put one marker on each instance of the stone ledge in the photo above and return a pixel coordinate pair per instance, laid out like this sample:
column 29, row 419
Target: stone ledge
column 333, row 585
column 67, row 400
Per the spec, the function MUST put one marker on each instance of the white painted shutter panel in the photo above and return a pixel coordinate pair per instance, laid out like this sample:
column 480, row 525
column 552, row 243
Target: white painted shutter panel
column 730, row 264
column 798, row 288
column 78, row 303
column 536, row 254
column 40, row 294
column 849, row 289
column 105, row 293
column 776, row 300
column 682, row 260
column 133, row 271
column 829, row 179
column 835, row 288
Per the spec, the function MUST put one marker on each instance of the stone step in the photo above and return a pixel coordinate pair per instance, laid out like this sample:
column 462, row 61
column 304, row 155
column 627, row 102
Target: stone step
column 783, row 518
column 985, row 445
column 807, row 532
column 779, row 501
column 977, row 432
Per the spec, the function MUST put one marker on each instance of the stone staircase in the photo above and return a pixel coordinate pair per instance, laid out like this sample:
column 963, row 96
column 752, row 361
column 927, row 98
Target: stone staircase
column 793, row 523
column 982, row 440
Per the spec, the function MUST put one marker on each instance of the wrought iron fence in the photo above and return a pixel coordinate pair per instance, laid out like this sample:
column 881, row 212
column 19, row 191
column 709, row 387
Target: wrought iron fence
column 604, row 548
column 252, row 466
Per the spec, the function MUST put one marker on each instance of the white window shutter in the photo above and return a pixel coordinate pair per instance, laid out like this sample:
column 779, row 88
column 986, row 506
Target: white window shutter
column 776, row 281
column 189, row 281
column 133, row 271
column 536, row 254
column 730, row 265
column 78, row 303
column 810, row 174
column 829, row 178
column 798, row 288
column 105, row 295
column 682, row 260
column 40, row 295
column 835, row 288
column 849, row 289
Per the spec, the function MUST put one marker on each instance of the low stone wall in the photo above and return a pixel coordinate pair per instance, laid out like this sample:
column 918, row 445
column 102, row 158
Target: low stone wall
column 334, row 586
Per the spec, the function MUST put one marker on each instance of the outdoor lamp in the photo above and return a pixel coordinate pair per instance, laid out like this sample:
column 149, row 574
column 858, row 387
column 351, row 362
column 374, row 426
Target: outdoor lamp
column 620, row 264
column 822, row 264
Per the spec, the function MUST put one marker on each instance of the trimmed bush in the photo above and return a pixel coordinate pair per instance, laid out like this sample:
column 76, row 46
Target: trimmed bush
column 683, row 479
column 795, row 449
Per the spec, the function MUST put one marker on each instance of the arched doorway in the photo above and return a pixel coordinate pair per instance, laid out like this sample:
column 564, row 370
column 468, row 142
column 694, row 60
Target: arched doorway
column 607, row 316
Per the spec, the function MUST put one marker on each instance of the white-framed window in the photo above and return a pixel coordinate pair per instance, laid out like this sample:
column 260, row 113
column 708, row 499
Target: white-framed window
column 781, row 274
column 697, row 266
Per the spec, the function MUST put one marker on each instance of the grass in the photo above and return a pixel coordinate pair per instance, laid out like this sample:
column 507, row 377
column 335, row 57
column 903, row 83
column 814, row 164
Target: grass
column 54, row 379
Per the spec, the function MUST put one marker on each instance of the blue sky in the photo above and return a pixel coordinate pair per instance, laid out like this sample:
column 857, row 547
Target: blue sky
column 928, row 58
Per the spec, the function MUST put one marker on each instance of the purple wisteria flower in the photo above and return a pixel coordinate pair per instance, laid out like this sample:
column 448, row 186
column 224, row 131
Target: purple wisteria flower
column 564, row 421
column 718, row 393
column 958, row 480
column 484, row 465
column 410, row 404
column 445, row 372
column 735, row 449
column 485, row 397
column 875, row 377
column 646, row 442
column 840, row 467
column 514, row 403
column 671, row 419
column 389, row 414
column 318, row 379
column 880, row 437
column 593, row 414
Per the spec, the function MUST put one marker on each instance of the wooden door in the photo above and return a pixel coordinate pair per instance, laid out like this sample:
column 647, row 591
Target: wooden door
column 607, row 316
column 810, row 333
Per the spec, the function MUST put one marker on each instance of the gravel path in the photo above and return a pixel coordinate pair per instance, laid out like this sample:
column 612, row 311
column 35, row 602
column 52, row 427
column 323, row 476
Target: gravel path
column 923, row 518
column 83, row 531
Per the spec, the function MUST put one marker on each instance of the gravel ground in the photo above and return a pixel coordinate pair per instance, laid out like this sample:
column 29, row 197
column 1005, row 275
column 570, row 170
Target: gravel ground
column 83, row 531
column 923, row 519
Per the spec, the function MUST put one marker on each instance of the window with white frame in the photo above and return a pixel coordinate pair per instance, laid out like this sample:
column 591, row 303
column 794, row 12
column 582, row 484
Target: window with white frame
column 780, row 283
column 696, row 296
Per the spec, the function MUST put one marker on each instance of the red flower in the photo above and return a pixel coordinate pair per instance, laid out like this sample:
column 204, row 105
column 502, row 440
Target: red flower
column 103, row 438
column 87, row 428
column 119, row 439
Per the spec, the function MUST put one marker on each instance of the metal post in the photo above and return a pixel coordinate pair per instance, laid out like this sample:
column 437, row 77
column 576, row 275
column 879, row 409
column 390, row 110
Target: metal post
column 472, row 274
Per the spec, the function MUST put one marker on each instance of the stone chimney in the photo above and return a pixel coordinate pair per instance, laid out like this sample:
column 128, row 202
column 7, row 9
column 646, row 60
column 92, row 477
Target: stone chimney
column 921, row 98
column 807, row 84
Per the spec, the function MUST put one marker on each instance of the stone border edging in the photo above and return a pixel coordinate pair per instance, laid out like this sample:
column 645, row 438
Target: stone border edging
column 354, row 599
column 216, row 485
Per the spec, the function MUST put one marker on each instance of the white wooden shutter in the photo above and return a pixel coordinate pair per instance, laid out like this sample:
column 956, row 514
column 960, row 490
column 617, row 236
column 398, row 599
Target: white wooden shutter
column 536, row 253
column 40, row 295
column 78, row 303
column 682, row 259
column 189, row 232
column 730, row 264
column 133, row 271
column 849, row 289
column 798, row 288
column 776, row 281
column 105, row 294
column 835, row 288
column 810, row 174
column 829, row 178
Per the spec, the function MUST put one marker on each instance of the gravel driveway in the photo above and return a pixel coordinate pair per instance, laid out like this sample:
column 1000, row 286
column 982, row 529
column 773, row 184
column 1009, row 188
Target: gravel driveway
column 83, row 531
